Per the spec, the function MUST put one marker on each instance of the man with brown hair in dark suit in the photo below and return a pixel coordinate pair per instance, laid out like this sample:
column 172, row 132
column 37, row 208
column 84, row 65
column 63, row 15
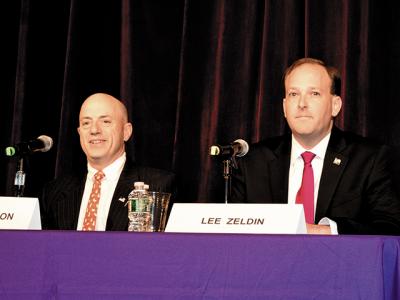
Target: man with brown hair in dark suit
column 103, row 129
column 352, row 188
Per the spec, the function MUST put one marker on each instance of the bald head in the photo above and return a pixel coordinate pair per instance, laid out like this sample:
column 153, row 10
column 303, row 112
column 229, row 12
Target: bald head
column 103, row 129
column 101, row 98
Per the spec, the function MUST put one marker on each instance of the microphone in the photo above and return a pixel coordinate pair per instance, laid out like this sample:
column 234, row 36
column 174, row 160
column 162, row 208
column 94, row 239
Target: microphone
column 42, row 143
column 238, row 148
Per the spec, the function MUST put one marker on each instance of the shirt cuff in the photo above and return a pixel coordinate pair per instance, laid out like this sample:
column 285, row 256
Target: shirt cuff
column 332, row 225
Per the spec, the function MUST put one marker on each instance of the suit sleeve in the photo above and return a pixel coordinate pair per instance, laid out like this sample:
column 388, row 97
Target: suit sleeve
column 238, row 188
column 380, row 213
column 48, row 222
column 159, row 180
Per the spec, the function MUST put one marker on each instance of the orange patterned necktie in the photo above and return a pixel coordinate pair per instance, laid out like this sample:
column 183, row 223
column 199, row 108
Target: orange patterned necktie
column 89, row 223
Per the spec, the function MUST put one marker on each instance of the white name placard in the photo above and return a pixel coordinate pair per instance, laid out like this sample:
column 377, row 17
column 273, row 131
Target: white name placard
column 19, row 213
column 237, row 218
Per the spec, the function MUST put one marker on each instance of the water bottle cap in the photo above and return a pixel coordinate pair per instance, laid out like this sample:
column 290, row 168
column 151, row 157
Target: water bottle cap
column 138, row 184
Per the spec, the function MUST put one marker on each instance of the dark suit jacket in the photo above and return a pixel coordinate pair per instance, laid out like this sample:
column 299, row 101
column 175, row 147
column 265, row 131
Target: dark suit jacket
column 358, row 193
column 61, row 199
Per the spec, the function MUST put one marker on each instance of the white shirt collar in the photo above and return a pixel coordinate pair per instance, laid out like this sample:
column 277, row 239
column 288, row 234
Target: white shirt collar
column 112, row 171
column 319, row 150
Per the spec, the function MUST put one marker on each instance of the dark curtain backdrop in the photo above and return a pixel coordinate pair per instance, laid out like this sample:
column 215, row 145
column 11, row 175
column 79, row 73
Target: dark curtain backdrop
column 192, row 73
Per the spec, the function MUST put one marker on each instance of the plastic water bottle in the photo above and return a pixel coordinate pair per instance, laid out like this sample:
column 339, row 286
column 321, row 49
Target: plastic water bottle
column 139, row 213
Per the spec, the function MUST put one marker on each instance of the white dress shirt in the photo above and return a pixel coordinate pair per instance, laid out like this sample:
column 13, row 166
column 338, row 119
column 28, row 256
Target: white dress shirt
column 296, row 173
column 108, row 185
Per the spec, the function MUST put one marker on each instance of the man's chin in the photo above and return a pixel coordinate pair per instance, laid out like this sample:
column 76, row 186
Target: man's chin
column 303, row 135
column 303, row 132
column 96, row 156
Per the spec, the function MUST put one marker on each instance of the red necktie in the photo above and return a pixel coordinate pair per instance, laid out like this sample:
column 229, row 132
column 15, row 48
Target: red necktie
column 305, row 195
column 89, row 223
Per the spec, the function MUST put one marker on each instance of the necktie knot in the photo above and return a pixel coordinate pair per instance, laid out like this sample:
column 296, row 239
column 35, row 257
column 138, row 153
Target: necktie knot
column 99, row 176
column 307, row 157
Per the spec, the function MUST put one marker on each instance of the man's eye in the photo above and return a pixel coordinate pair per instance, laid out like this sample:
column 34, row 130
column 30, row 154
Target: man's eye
column 107, row 121
column 292, row 94
column 84, row 124
column 316, row 93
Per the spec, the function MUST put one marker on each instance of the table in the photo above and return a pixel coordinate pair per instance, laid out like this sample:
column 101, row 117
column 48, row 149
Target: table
column 124, row 265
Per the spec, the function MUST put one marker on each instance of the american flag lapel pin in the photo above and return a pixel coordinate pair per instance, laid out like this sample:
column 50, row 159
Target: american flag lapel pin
column 337, row 161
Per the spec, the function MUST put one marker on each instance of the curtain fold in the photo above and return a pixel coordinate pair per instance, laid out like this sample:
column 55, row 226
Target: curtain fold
column 17, row 117
column 191, row 73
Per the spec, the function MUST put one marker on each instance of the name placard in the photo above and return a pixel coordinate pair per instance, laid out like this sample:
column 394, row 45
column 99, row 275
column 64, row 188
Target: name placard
column 19, row 213
column 237, row 218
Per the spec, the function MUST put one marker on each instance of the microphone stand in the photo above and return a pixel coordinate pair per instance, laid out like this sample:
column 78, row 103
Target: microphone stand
column 227, row 163
column 228, row 153
column 19, row 182
column 227, row 179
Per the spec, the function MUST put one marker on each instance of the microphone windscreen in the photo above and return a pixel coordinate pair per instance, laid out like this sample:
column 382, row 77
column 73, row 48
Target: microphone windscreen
column 10, row 151
column 214, row 150
column 244, row 147
column 47, row 142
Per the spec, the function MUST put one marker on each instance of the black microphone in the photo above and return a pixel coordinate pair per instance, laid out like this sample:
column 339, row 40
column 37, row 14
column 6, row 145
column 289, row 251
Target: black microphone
column 238, row 148
column 42, row 143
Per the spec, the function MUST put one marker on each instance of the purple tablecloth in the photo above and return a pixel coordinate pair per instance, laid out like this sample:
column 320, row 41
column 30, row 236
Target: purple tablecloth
column 105, row 265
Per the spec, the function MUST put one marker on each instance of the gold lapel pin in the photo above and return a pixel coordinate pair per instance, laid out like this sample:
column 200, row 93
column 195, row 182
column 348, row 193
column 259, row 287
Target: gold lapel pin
column 337, row 161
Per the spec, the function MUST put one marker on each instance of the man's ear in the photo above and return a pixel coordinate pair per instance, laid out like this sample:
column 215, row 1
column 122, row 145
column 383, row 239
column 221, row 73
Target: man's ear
column 336, row 105
column 128, row 130
column 284, row 106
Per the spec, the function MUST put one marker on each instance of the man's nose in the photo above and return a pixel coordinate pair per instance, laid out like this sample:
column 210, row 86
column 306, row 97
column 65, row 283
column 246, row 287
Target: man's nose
column 95, row 128
column 302, row 103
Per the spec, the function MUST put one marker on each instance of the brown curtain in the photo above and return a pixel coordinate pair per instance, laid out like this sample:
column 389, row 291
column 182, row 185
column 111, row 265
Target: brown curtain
column 192, row 73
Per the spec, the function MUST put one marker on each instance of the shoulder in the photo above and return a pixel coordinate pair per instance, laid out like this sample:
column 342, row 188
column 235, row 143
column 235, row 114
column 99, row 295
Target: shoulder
column 265, row 151
column 271, row 143
column 157, row 178
column 154, row 172
column 364, row 152
column 145, row 171
column 356, row 143
column 270, row 147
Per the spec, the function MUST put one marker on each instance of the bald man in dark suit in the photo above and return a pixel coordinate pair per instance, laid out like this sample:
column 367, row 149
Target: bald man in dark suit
column 103, row 130
column 353, row 185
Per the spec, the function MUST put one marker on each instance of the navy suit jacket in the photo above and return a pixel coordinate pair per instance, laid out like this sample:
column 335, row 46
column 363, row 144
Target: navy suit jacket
column 357, row 193
column 61, row 199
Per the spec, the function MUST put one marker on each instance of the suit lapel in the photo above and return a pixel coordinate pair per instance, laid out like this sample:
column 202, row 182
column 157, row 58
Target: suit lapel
column 69, row 203
column 76, row 201
column 332, row 170
column 118, row 214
